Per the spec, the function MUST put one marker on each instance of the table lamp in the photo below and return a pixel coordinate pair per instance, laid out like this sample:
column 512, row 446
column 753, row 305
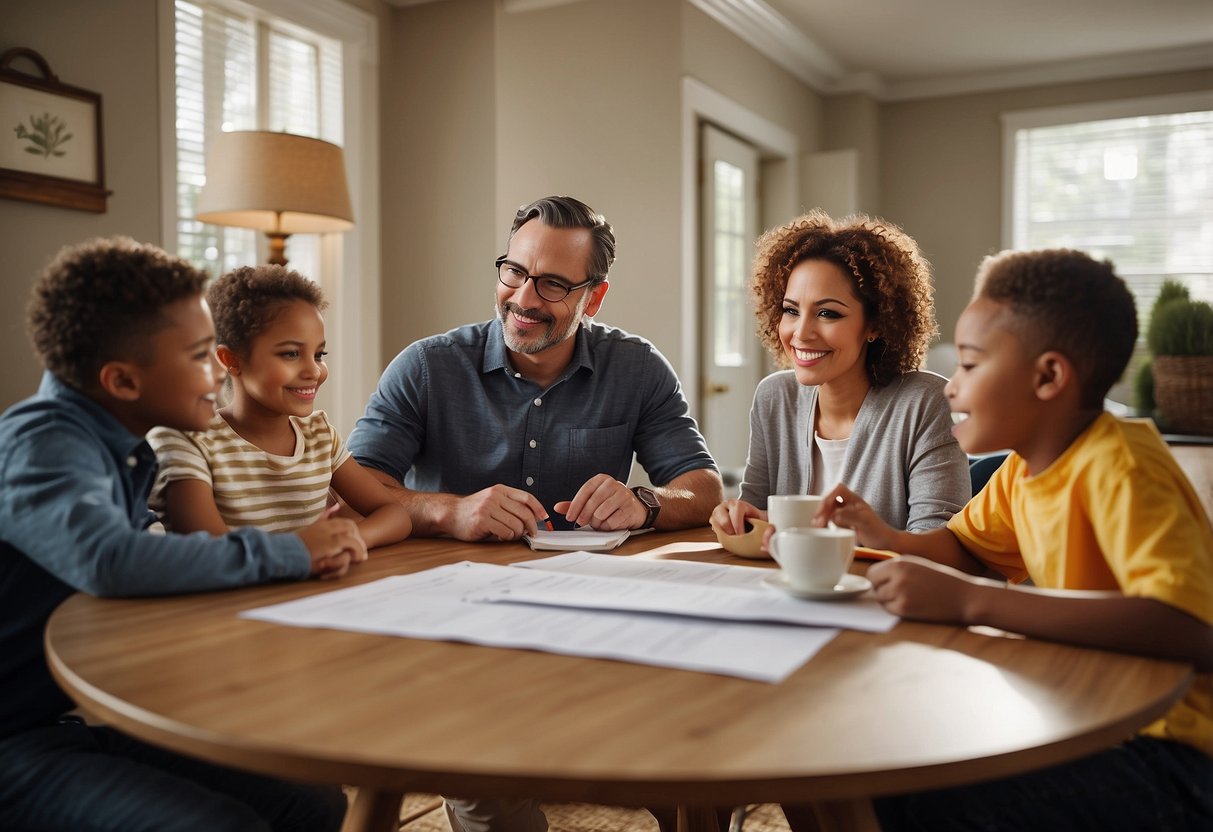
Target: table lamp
column 278, row 183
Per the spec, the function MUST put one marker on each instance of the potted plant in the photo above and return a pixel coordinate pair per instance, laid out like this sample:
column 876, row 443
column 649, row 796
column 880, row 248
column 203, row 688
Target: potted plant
column 1180, row 337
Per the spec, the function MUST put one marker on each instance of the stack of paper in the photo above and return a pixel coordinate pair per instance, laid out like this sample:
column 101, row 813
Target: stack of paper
column 681, row 614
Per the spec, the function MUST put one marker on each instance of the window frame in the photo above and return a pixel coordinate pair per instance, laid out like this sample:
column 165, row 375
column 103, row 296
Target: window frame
column 349, row 262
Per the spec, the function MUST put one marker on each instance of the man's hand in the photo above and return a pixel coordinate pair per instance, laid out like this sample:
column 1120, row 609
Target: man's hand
column 333, row 543
column 604, row 503
column 496, row 513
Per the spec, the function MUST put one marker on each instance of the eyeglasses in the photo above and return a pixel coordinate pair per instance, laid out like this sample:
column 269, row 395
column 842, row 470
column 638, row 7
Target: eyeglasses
column 549, row 288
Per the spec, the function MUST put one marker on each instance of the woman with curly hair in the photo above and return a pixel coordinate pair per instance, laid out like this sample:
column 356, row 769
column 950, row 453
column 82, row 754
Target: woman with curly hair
column 846, row 304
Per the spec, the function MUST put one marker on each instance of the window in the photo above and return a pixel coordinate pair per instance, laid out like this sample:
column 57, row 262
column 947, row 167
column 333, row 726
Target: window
column 1129, row 181
column 309, row 68
column 238, row 69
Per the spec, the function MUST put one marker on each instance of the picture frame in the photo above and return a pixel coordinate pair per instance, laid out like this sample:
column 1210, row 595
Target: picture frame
column 50, row 138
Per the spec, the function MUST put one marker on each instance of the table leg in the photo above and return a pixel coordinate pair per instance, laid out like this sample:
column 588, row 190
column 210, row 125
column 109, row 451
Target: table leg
column 697, row 819
column 846, row 816
column 373, row 810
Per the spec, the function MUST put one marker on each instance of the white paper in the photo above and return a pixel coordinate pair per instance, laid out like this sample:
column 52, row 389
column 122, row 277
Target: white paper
column 577, row 539
column 638, row 566
column 433, row 605
column 674, row 587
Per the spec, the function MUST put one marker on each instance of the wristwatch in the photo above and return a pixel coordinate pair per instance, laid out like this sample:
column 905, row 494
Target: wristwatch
column 651, row 504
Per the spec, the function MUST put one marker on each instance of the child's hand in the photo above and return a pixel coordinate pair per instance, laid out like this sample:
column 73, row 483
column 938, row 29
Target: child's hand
column 333, row 543
column 730, row 516
column 914, row 587
column 845, row 508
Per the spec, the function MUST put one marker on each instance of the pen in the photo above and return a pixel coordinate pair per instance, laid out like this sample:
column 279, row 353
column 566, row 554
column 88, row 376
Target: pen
column 547, row 521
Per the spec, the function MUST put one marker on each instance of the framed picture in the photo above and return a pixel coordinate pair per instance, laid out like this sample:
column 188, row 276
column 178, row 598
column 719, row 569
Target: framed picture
column 50, row 138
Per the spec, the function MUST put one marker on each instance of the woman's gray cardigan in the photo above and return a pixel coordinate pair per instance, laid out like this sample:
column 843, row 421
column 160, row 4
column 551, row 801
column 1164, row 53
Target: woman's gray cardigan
column 901, row 459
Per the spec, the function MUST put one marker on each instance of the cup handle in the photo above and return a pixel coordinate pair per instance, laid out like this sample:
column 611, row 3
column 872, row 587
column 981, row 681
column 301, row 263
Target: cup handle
column 773, row 548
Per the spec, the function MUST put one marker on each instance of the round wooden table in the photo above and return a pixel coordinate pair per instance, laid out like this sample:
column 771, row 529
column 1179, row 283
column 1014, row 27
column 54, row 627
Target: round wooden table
column 922, row 706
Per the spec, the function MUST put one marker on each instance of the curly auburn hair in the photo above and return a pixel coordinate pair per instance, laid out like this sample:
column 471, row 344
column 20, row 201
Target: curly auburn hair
column 103, row 300
column 245, row 301
column 1065, row 300
column 888, row 274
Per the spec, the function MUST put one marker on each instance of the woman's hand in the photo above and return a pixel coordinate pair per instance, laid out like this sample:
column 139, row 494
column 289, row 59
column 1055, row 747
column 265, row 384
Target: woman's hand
column 730, row 516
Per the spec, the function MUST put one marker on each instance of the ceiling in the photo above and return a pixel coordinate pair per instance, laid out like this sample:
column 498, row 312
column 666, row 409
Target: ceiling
column 902, row 49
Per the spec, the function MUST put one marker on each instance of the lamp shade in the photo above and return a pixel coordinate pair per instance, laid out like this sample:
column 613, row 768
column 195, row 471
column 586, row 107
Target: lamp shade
column 279, row 183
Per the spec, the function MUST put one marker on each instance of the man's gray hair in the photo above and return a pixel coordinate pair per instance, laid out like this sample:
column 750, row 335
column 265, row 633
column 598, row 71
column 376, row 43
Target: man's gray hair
column 567, row 212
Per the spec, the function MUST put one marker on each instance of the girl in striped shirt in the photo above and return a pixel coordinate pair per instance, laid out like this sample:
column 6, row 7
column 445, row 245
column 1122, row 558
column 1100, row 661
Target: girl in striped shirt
column 267, row 458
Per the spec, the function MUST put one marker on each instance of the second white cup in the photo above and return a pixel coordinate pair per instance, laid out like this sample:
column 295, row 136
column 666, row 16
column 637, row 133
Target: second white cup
column 813, row 559
column 788, row 511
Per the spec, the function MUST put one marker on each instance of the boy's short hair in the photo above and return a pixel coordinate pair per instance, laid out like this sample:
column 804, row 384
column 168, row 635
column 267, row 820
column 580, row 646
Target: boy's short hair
column 1067, row 301
column 245, row 301
column 103, row 300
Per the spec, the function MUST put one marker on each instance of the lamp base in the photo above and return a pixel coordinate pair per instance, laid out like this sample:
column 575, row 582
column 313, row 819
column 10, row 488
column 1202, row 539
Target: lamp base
column 277, row 247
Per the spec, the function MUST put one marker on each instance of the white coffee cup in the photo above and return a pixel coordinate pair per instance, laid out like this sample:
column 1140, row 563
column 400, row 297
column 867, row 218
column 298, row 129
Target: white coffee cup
column 792, row 511
column 812, row 558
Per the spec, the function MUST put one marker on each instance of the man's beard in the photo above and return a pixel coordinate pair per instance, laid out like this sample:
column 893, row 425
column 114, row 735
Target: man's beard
column 549, row 338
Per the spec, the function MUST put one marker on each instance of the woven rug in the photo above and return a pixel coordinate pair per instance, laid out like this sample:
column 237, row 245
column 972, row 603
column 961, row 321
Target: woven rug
column 583, row 817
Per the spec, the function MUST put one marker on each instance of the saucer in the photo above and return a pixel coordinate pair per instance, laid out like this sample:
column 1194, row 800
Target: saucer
column 848, row 587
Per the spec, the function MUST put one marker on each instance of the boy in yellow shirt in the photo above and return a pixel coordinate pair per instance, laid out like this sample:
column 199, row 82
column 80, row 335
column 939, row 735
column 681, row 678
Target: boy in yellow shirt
column 1085, row 501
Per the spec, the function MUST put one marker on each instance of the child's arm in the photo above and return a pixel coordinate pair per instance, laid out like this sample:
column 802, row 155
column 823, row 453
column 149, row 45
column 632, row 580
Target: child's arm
column 845, row 508
column 332, row 544
column 384, row 520
column 915, row 588
column 189, row 506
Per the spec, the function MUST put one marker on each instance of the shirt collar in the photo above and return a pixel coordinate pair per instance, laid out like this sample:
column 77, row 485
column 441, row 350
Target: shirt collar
column 496, row 357
column 121, row 442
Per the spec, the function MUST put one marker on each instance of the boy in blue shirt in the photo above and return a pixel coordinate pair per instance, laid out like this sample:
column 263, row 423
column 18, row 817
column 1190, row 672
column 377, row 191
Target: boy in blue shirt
column 127, row 342
column 1096, row 512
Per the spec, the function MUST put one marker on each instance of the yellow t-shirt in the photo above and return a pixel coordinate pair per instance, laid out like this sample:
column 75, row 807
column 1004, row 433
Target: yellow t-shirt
column 1114, row 512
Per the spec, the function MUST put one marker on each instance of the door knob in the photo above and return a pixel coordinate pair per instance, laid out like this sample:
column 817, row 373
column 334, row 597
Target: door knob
column 715, row 389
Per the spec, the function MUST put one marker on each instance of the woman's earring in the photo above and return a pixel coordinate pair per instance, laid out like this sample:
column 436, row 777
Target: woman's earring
column 871, row 338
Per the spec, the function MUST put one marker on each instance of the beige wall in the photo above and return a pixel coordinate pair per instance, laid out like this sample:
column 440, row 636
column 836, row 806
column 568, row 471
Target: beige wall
column 485, row 110
column 109, row 48
column 438, row 169
column 727, row 64
column 941, row 170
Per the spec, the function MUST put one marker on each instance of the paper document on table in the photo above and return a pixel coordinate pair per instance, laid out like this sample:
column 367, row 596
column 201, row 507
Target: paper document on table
column 667, row 597
column 587, row 540
column 676, row 571
column 434, row 605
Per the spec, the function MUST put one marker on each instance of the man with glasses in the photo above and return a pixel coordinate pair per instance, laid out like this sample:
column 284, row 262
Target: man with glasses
column 495, row 429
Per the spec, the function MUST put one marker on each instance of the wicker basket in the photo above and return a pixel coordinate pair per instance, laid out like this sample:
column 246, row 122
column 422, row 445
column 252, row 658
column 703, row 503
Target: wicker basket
column 1183, row 391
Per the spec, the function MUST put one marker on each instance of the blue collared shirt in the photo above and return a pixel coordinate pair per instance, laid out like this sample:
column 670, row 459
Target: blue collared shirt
column 451, row 415
column 73, row 517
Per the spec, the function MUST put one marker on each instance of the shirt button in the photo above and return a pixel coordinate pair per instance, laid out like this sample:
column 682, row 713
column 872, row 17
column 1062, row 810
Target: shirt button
column 530, row 480
column 131, row 461
column 538, row 402
column 533, row 443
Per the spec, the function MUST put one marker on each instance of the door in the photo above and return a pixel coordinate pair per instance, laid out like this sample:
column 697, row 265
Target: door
column 730, row 355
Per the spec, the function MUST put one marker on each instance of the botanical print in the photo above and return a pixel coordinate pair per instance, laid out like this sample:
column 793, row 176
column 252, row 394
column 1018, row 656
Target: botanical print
column 46, row 134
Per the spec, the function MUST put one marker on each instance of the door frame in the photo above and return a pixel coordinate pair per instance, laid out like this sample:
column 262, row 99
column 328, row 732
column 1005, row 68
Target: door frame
column 779, row 183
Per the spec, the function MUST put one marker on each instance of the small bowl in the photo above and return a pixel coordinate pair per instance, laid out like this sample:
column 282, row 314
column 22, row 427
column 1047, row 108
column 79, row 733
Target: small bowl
column 748, row 545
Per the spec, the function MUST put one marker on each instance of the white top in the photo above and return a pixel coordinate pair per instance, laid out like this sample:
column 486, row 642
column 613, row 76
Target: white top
column 253, row 487
column 828, row 457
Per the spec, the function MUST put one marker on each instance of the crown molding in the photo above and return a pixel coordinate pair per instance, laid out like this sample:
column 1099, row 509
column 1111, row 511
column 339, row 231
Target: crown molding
column 775, row 36
column 1198, row 56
